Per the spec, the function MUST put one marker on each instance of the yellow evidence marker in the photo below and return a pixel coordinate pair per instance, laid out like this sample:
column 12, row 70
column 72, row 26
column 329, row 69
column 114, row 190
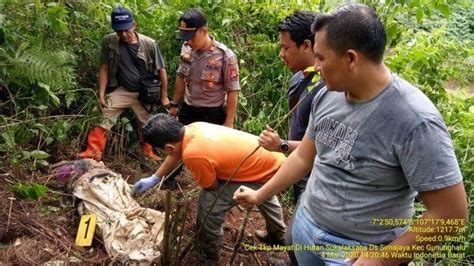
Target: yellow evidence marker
column 85, row 232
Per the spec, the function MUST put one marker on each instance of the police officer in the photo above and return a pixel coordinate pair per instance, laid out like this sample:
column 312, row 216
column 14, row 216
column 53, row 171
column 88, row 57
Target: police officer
column 208, row 75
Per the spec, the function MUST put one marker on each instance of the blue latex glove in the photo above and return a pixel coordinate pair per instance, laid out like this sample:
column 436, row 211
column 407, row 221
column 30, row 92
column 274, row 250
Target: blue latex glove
column 145, row 183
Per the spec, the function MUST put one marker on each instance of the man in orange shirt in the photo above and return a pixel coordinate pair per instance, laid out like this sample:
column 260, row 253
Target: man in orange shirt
column 212, row 153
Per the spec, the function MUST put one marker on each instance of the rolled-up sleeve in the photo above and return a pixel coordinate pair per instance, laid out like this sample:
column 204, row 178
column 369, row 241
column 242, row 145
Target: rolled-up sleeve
column 159, row 62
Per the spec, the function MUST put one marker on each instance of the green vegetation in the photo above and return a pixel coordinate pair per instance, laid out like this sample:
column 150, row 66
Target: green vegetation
column 34, row 191
column 49, row 63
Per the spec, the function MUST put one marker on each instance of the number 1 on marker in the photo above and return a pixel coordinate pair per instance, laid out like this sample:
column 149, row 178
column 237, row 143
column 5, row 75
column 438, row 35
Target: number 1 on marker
column 85, row 232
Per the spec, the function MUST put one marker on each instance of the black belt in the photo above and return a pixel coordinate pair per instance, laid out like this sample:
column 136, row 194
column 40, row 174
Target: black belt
column 202, row 109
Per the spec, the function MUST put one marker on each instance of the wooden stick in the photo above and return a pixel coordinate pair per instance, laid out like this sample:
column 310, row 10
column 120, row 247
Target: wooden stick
column 190, row 244
column 61, row 163
column 166, row 233
column 181, row 222
column 257, row 259
column 174, row 220
column 170, row 174
column 10, row 212
column 239, row 236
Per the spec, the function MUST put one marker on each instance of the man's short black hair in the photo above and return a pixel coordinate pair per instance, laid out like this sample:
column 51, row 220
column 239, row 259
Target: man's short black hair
column 298, row 25
column 354, row 26
column 162, row 129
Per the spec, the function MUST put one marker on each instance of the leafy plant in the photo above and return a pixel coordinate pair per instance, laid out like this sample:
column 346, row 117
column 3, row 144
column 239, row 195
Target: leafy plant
column 49, row 59
column 29, row 191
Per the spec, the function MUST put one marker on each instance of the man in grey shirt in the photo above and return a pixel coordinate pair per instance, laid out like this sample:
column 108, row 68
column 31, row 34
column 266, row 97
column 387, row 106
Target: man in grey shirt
column 373, row 143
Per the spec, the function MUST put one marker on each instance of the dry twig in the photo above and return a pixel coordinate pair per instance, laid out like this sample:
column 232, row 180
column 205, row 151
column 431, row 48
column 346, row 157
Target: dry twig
column 167, row 232
column 181, row 223
column 10, row 212
column 257, row 259
column 239, row 236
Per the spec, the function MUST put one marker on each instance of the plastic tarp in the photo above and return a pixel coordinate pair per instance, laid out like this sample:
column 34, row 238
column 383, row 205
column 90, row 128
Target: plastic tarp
column 129, row 231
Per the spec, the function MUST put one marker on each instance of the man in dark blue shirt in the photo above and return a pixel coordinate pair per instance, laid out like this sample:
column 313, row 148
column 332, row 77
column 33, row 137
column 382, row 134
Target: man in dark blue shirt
column 296, row 50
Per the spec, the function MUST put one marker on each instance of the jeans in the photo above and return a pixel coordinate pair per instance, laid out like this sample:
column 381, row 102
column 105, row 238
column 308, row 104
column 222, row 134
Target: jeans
column 298, row 189
column 317, row 246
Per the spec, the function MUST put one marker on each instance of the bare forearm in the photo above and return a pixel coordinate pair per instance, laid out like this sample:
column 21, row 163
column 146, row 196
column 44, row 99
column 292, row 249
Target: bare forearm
column 293, row 145
column 168, row 165
column 292, row 170
column 178, row 94
column 164, row 82
column 232, row 100
column 103, row 78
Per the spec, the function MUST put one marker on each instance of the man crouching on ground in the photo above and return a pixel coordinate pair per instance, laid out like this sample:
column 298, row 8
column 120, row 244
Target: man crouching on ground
column 212, row 153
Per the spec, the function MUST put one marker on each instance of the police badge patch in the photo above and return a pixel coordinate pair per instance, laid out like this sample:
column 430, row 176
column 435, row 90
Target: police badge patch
column 233, row 72
column 212, row 61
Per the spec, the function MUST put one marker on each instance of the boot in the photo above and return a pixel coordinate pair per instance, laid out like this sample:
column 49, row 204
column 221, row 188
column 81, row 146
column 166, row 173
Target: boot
column 96, row 140
column 272, row 240
column 147, row 149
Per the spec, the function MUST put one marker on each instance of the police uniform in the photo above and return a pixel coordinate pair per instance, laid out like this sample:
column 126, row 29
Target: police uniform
column 208, row 76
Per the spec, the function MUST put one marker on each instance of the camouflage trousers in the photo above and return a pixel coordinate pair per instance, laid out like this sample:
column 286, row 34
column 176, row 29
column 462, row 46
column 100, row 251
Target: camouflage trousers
column 210, row 237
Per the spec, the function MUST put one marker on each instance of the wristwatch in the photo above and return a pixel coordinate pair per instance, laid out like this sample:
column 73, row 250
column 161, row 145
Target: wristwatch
column 284, row 146
column 173, row 104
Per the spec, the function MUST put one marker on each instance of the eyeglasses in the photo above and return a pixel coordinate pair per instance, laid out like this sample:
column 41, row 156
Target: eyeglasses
column 158, row 150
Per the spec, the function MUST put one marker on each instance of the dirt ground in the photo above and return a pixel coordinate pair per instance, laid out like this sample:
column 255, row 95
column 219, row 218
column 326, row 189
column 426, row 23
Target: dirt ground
column 43, row 231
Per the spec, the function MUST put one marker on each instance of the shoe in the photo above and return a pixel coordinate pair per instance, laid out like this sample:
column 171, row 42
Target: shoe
column 208, row 262
column 208, row 258
column 264, row 237
column 96, row 140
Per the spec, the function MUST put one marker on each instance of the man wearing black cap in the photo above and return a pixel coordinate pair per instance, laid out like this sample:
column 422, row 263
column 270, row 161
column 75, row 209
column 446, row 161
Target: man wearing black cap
column 125, row 56
column 208, row 75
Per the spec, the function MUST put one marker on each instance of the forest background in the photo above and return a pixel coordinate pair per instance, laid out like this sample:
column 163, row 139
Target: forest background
column 49, row 58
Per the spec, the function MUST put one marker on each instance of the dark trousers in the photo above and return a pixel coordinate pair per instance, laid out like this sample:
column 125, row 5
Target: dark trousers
column 190, row 114
column 211, row 232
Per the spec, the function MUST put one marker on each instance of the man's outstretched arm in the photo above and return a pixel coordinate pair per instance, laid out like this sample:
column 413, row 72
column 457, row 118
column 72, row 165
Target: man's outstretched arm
column 295, row 167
